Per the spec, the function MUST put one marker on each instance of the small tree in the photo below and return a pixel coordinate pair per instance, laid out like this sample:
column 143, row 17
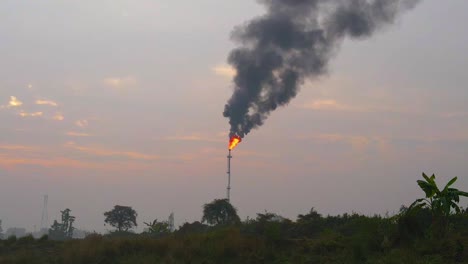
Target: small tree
column 67, row 222
column 121, row 217
column 63, row 230
column 220, row 212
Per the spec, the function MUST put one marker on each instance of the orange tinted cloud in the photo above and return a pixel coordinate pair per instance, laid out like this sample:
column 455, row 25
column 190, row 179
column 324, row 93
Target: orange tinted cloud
column 33, row 114
column 329, row 105
column 58, row 117
column 82, row 123
column 193, row 138
column 77, row 134
column 120, row 82
column 14, row 102
column 112, row 153
column 359, row 143
column 61, row 162
column 12, row 156
column 46, row 102
column 224, row 70
column 18, row 147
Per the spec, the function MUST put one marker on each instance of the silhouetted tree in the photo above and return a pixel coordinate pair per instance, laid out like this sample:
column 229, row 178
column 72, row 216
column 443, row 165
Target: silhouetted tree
column 311, row 224
column 313, row 215
column 220, row 212
column 63, row 230
column 1, row 230
column 67, row 221
column 56, row 232
column 195, row 227
column 270, row 225
column 121, row 217
column 268, row 217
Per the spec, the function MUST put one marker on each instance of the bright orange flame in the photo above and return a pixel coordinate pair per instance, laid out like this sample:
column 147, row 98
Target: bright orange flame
column 234, row 141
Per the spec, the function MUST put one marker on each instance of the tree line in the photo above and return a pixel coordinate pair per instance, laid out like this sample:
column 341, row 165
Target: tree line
column 433, row 229
column 440, row 203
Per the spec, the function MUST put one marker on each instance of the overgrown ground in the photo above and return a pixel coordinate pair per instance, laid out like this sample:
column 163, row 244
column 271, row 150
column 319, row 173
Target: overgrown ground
column 406, row 238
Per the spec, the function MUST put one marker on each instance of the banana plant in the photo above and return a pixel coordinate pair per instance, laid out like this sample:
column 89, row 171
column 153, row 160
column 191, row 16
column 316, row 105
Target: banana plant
column 157, row 227
column 440, row 202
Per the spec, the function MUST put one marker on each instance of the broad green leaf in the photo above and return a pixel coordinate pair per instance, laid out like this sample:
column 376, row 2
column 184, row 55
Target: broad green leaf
column 432, row 180
column 416, row 203
column 414, row 207
column 425, row 177
column 427, row 188
column 450, row 183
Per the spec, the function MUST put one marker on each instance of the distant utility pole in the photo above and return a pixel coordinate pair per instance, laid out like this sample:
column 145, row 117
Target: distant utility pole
column 45, row 215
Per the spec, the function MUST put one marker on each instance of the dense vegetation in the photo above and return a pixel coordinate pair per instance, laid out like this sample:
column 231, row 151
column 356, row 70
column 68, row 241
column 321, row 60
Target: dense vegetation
column 424, row 232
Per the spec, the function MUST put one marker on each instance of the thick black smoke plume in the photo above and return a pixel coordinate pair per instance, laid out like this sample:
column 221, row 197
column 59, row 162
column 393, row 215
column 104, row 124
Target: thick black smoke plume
column 294, row 40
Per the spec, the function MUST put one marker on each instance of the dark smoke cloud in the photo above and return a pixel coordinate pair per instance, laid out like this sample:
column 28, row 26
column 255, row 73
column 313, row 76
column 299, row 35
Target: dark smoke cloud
column 294, row 40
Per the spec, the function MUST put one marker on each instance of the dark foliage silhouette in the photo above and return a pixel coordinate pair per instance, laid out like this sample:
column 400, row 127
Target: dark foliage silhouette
column 121, row 217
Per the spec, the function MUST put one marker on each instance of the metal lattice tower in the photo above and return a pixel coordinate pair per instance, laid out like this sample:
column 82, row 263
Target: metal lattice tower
column 45, row 215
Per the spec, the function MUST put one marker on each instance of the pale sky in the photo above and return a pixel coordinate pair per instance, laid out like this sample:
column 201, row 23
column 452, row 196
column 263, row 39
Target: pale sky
column 109, row 102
